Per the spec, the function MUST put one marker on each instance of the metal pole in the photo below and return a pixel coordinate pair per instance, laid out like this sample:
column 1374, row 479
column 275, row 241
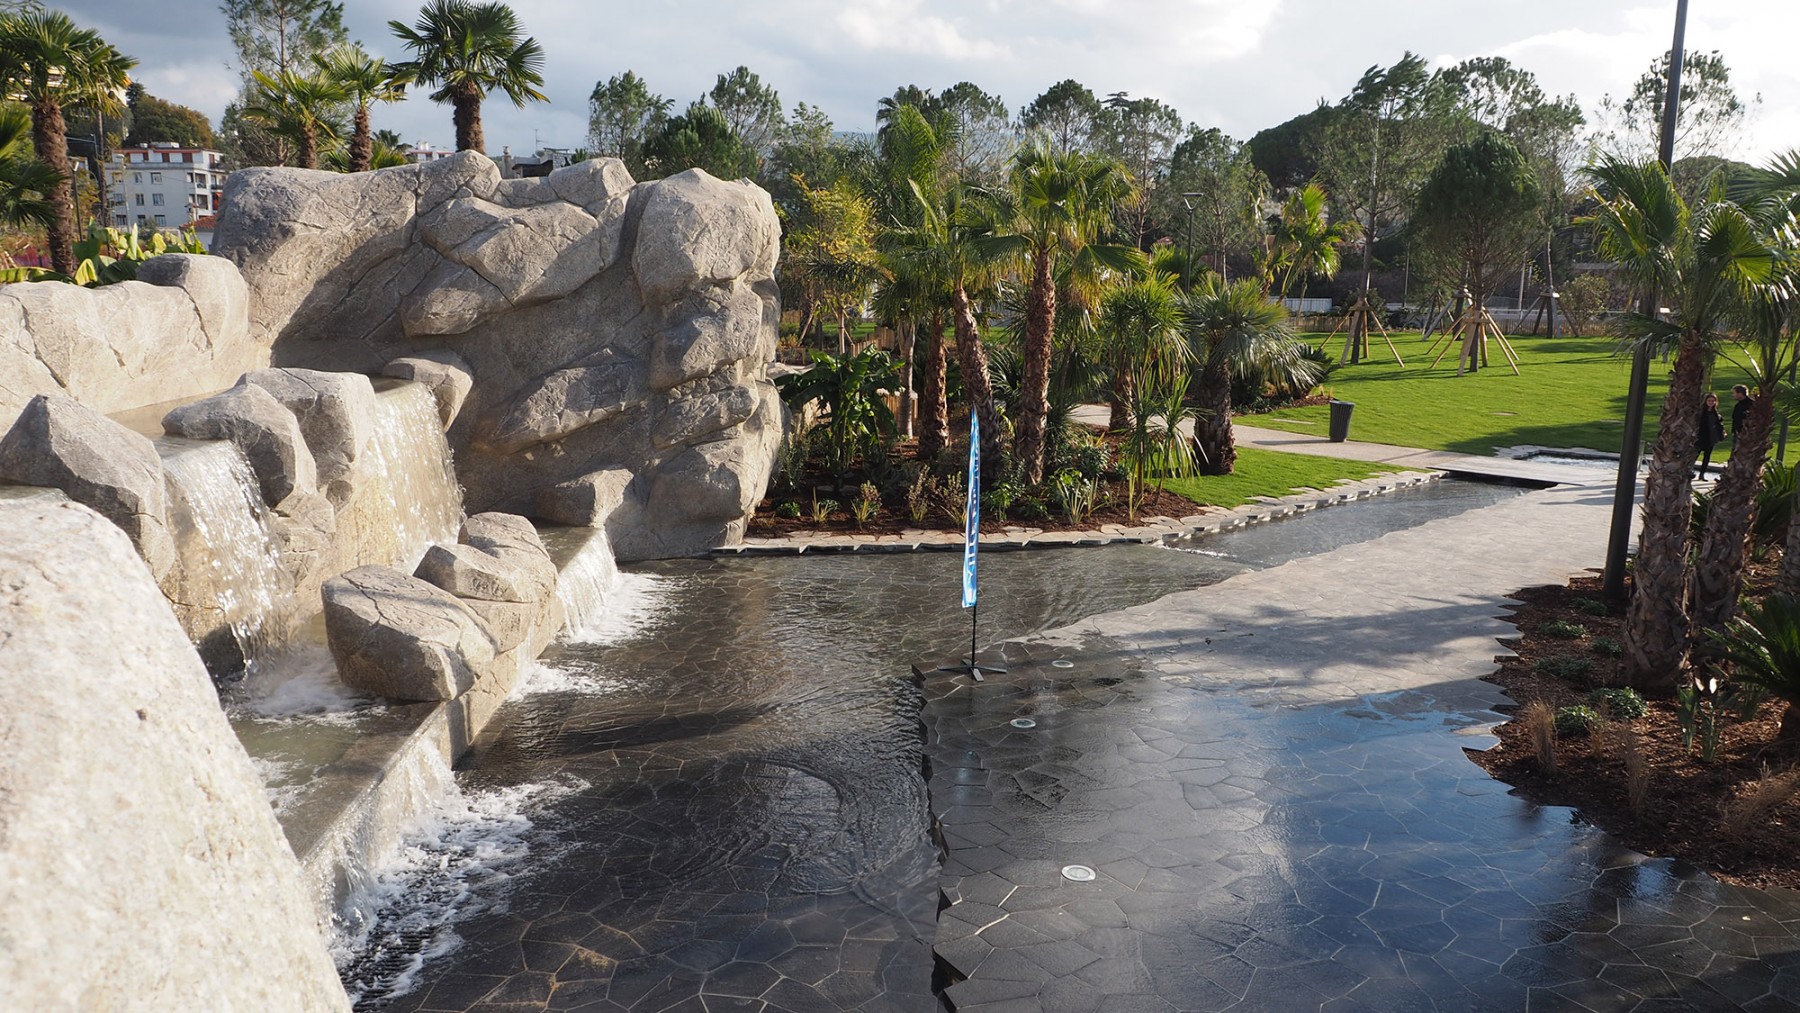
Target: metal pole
column 1625, row 489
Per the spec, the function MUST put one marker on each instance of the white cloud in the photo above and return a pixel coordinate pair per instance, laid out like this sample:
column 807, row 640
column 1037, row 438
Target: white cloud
column 903, row 26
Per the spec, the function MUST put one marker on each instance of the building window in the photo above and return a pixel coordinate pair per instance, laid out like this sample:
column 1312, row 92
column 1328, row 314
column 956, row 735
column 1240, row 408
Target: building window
column 137, row 177
column 156, row 199
column 139, row 200
column 161, row 220
column 156, row 179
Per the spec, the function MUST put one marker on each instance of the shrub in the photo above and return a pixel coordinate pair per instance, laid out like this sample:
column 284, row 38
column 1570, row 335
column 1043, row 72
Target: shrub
column 1763, row 643
column 1563, row 630
column 1031, row 508
column 1577, row 720
column 1607, row 646
column 1564, row 666
column 866, row 505
column 1747, row 812
column 1619, row 704
column 1540, row 729
column 1589, row 606
column 823, row 509
column 787, row 508
column 1637, row 772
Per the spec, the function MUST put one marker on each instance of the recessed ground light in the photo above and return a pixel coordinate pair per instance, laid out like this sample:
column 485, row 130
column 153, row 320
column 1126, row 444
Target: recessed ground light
column 1505, row 413
column 1078, row 874
column 1023, row 723
column 1060, row 663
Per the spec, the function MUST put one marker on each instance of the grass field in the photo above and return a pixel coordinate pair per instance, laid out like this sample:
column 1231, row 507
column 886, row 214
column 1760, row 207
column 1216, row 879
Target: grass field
column 1271, row 473
column 1570, row 393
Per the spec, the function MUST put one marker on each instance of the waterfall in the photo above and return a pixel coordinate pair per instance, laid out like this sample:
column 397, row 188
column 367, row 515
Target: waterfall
column 238, row 562
column 407, row 495
column 587, row 579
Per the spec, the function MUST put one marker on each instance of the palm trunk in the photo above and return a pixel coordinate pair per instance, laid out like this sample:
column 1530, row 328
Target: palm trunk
column 362, row 146
column 1118, row 416
column 1656, row 625
column 1787, row 579
column 934, row 414
column 50, row 135
column 308, row 155
column 1034, row 381
column 465, row 113
column 978, row 386
column 1212, row 430
column 1719, row 568
column 907, row 330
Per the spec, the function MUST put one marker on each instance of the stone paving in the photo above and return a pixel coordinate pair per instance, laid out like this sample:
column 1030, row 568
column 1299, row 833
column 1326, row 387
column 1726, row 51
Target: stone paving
column 1267, row 776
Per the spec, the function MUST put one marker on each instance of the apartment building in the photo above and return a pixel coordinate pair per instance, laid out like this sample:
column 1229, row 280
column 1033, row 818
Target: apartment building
column 163, row 185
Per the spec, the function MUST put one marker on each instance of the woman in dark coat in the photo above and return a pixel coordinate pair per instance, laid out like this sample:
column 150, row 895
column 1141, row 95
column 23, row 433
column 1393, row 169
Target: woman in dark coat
column 1712, row 430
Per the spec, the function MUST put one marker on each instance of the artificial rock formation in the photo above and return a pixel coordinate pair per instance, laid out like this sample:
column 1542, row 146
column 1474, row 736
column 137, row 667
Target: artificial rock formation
column 606, row 327
column 399, row 637
column 141, row 867
column 182, row 328
column 336, row 413
column 261, row 427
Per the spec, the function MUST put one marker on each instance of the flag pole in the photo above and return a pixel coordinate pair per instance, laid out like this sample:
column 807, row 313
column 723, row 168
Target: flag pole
column 971, row 554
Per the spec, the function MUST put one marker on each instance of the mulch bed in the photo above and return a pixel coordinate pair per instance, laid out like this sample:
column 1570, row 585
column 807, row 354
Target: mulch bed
column 892, row 520
column 1684, row 812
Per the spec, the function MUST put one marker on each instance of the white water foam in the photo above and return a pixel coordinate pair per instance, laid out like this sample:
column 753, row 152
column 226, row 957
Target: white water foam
column 632, row 606
column 455, row 862
column 302, row 681
column 541, row 679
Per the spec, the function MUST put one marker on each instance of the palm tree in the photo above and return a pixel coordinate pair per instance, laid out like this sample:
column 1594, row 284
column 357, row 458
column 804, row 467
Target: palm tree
column 364, row 80
column 1236, row 330
column 297, row 107
column 1699, row 261
column 49, row 62
column 25, row 182
column 1303, row 240
column 1060, row 205
column 1767, row 323
column 915, row 290
column 1142, row 321
column 468, row 49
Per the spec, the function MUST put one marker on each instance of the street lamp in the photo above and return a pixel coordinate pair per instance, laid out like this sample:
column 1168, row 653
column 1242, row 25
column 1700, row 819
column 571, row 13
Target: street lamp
column 1187, row 201
column 1625, row 488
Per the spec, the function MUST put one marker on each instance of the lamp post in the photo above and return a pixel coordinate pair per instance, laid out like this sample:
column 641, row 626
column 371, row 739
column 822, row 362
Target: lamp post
column 1187, row 201
column 1625, row 488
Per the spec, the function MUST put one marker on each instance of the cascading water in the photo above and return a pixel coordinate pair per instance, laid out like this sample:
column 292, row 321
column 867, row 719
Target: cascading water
column 407, row 495
column 238, row 565
column 586, row 582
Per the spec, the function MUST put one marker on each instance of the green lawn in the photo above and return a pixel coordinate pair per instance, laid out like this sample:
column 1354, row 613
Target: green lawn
column 1571, row 393
column 1271, row 473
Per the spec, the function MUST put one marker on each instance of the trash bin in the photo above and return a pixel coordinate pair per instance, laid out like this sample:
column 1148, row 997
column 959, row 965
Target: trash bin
column 1340, row 420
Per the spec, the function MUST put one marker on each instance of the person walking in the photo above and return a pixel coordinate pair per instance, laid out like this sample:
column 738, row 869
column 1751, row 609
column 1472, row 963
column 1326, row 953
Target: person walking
column 1740, row 410
column 1711, row 431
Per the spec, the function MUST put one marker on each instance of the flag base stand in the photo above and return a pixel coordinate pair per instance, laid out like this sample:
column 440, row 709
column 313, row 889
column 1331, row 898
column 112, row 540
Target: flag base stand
column 969, row 667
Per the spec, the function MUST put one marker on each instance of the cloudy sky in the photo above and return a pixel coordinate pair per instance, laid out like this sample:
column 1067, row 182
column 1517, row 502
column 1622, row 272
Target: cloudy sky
column 1237, row 64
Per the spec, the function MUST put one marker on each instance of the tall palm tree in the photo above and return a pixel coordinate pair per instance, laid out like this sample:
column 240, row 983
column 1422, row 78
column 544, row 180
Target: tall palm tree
column 468, row 49
column 1141, row 319
column 1700, row 261
column 1303, row 240
column 1768, row 326
column 49, row 62
column 25, row 181
column 299, row 108
column 947, row 245
column 915, row 291
column 1060, row 204
column 364, row 80
column 1236, row 329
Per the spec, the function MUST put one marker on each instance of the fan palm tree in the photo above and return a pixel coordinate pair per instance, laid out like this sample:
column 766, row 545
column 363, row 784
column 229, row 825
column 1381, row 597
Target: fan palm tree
column 1303, row 240
column 466, row 50
column 1060, row 205
column 364, row 80
column 297, row 107
column 1237, row 330
column 49, row 62
column 1141, row 320
column 1700, row 261
column 25, row 181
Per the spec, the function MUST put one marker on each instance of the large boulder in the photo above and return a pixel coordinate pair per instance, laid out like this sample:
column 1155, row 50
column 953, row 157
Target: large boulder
column 141, row 867
column 585, row 501
column 267, row 433
column 398, row 637
column 61, row 443
column 601, row 325
column 336, row 413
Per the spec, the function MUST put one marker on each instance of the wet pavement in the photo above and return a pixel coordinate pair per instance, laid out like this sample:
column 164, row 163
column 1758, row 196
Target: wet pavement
column 1266, row 777
column 742, row 815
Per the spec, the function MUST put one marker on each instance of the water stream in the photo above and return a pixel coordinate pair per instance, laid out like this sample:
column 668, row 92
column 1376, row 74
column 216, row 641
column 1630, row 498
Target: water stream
column 737, row 800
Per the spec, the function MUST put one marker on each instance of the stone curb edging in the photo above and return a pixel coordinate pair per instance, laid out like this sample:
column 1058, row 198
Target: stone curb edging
column 1165, row 530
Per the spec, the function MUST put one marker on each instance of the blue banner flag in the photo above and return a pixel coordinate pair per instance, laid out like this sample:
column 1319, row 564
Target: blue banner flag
column 972, row 529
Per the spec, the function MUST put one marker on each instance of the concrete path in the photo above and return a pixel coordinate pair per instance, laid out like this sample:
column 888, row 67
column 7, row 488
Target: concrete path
column 1266, row 776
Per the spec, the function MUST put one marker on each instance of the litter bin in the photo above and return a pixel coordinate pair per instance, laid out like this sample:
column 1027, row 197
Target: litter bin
column 1340, row 420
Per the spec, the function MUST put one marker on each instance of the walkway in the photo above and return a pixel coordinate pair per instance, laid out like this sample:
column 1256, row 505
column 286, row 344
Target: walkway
column 1267, row 776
